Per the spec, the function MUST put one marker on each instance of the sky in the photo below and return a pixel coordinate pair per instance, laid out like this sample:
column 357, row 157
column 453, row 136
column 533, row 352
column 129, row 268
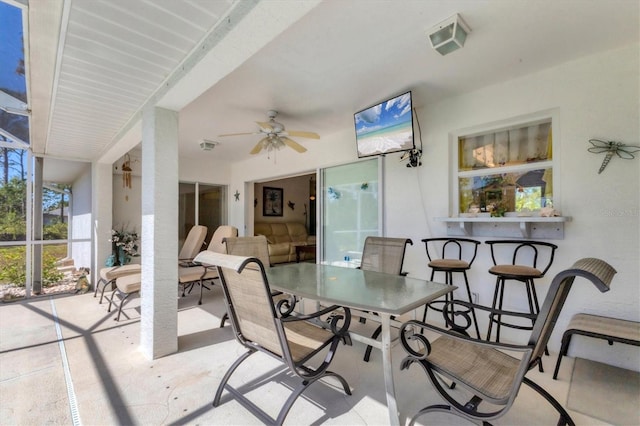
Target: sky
column 10, row 55
column 391, row 112
column 11, row 48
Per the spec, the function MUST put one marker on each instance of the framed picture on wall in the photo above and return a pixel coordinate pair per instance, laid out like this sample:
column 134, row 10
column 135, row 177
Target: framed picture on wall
column 271, row 201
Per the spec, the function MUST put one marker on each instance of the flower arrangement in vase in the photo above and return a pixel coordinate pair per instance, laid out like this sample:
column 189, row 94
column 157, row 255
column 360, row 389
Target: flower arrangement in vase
column 124, row 246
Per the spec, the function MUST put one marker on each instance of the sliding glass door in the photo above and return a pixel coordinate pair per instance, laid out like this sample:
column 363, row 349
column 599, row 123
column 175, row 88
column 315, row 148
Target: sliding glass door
column 351, row 206
column 201, row 204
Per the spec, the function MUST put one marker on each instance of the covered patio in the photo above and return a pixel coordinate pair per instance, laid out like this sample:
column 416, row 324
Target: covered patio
column 154, row 81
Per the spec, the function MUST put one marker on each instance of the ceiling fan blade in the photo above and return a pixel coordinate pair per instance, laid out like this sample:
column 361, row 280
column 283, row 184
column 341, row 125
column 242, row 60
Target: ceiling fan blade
column 299, row 134
column 256, row 149
column 265, row 126
column 293, row 144
column 238, row 134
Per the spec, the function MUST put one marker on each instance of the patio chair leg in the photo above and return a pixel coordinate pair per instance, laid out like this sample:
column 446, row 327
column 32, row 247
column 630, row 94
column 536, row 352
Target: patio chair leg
column 120, row 308
column 95, row 290
column 301, row 388
column 565, row 418
column 367, row 352
column 106, row 283
column 227, row 376
column 110, row 300
column 224, row 319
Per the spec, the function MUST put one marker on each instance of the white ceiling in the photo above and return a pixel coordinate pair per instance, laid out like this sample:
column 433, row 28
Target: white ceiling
column 316, row 62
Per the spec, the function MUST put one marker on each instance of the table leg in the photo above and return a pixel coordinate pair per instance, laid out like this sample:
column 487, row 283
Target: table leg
column 385, row 320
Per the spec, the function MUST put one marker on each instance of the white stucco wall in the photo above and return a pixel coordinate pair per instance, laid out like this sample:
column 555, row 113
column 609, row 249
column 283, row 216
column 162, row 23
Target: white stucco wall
column 596, row 97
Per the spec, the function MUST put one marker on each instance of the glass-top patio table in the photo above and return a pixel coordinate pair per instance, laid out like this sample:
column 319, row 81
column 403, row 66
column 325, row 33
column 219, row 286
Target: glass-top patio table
column 383, row 294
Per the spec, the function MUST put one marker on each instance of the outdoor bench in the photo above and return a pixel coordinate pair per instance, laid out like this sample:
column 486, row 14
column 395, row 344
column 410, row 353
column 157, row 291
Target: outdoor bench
column 599, row 327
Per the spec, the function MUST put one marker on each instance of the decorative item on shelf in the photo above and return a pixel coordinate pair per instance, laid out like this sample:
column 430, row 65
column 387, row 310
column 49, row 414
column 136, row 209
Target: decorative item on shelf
column 548, row 211
column 124, row 246
column 612, row 147
column 126, row 171
column 497, row 209
column 474, row 209
column 291, row 205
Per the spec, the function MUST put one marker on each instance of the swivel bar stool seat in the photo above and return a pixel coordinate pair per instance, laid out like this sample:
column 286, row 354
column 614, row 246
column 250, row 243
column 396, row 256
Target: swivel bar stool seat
column 529, row 260
column 456, row 256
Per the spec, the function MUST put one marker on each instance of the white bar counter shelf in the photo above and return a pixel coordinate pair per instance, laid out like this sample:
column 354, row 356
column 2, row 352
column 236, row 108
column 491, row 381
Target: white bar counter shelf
column 511, row 225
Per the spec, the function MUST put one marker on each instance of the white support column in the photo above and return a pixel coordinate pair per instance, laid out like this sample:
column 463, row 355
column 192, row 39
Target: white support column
column 159, row 324
column 37, row 225
column 102, row 212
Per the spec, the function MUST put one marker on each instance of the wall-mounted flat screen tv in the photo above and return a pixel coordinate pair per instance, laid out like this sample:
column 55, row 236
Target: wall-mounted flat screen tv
column 386, row 127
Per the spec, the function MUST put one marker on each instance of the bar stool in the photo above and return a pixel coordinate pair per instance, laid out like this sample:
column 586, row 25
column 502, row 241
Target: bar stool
column 456, row 256
column 529, row 260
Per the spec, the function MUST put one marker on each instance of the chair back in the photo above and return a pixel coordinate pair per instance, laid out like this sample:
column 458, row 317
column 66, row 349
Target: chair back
column 217, row 239
column 383, row 254
column 453, row 248
column 193, row 243
column 257, row 247
column 537, row 254
column 248, row 299
column 599, row 272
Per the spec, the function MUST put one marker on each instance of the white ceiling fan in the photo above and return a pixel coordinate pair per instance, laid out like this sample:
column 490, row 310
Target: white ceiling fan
column 275, row 135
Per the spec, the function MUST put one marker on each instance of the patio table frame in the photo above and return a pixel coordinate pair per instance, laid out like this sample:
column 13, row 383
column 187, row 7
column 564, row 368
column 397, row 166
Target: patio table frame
column 385, row 295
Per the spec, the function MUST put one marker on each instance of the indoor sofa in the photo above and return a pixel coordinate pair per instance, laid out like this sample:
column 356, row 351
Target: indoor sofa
column 283, row 237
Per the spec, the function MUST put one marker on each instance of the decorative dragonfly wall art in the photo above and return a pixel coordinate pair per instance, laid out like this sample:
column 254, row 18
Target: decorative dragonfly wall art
column 612, row 147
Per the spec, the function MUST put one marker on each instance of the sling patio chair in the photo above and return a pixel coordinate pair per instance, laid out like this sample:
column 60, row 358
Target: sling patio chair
column 259, row 327
column 192, row 244
column 257, row 247
column 192, row 273
column 386, row 255
column 491, row 371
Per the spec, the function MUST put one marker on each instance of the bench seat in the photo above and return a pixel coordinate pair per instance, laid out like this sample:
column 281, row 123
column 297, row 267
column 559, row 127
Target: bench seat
column 599, row 327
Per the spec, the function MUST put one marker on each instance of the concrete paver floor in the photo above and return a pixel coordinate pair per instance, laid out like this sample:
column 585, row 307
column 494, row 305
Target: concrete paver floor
column 97, row 360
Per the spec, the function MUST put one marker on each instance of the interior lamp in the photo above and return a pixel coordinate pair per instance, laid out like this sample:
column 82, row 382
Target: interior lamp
column 449, row 35
column 207, row 145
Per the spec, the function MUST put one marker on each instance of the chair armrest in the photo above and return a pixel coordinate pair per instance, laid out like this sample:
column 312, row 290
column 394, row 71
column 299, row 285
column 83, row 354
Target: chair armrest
column 408, row 333
column 187, row 262
column 344, row 315
column 206, row 267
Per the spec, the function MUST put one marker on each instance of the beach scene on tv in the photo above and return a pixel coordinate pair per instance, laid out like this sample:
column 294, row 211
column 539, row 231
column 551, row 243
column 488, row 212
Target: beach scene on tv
column 386, row 127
